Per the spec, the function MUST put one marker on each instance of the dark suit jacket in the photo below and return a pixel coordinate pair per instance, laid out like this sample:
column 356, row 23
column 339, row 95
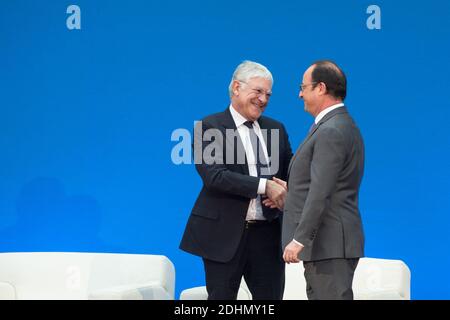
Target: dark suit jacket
column 321, row 208
column 217, row 220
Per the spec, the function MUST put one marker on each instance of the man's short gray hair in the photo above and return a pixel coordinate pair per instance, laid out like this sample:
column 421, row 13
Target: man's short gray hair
column 247, row 70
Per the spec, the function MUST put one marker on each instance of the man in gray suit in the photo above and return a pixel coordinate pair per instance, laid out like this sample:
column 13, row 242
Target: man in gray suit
column 322, row 224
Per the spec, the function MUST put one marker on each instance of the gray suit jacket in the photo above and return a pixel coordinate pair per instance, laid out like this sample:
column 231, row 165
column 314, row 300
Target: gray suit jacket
column 324, row 176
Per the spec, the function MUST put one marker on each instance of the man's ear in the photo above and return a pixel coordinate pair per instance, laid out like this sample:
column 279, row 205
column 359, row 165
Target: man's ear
column 236, row 86
column 323, row 88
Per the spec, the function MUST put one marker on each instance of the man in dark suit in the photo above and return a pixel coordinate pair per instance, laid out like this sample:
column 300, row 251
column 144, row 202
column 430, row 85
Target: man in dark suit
column 241, row 151
column 322, row 223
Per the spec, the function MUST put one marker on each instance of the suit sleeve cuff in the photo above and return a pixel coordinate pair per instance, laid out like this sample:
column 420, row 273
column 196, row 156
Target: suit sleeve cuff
column 262, row 186
column 298, row 243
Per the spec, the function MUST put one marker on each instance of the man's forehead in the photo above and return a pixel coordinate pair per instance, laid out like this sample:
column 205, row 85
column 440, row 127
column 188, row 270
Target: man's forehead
column 260, row 81
column 307, row 74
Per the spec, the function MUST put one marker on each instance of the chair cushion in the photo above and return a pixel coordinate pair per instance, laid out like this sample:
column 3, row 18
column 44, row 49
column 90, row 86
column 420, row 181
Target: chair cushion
column 7, row 291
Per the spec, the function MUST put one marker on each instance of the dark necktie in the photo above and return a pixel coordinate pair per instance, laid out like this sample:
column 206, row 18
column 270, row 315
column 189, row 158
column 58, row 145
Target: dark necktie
column 261, row 162
column 257, row 147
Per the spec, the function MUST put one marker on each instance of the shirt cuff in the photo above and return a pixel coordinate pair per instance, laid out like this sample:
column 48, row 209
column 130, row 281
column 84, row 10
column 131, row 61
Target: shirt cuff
column 262, row 186
column 298, row 243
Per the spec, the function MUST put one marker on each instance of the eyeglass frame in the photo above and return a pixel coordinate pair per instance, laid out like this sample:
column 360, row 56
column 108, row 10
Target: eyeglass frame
column 259, row 92
column 303, row 86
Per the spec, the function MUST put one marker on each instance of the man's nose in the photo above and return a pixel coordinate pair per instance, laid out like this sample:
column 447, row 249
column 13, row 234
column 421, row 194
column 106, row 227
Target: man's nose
column 300, row 94
column 263, row 98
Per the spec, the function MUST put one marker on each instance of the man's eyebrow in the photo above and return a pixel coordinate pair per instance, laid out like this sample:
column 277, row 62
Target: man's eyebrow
column 259, row 88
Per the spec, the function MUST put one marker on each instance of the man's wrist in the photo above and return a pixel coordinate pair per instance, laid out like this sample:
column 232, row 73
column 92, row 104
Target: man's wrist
column 298, row 243
column 262, row 186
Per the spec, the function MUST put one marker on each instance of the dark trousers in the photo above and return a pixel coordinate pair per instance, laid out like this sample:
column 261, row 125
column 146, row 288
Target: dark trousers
column 330, row 279
column 258, row 259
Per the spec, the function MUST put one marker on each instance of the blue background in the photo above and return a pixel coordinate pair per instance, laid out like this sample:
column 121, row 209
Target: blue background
column 87, row 117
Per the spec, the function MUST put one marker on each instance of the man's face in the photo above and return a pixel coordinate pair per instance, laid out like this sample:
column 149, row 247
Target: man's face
column 250, row 99
column 309, row 93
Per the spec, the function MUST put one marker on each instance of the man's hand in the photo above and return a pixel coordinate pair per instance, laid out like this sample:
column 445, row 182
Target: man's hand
column 280, row 182
column 291, row 252
column 277, row 196
column 276, row 193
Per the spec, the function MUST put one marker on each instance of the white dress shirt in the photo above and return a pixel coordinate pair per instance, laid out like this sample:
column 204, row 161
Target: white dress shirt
column 325, row 111
column 255, row 207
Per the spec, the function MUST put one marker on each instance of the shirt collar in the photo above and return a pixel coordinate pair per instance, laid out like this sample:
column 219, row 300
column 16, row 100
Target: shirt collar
column 325, row 111
column 237, row 117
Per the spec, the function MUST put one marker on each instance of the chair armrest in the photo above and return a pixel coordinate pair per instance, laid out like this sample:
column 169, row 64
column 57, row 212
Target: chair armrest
column 7, row 291
column 200, row 293
column 147, row 291
column 196, row 293
column 379, row 295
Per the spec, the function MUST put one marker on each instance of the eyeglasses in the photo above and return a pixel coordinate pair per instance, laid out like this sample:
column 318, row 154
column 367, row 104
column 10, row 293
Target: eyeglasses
column 303, row 86
column 259, row 92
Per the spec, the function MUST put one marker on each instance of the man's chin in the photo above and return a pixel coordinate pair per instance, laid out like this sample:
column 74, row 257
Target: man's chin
column 256, row 116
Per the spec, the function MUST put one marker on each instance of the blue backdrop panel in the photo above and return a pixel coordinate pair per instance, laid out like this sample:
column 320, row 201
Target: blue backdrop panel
column 87, row 117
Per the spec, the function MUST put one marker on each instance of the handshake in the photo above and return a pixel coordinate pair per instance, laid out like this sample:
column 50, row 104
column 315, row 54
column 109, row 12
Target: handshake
column 276, row 190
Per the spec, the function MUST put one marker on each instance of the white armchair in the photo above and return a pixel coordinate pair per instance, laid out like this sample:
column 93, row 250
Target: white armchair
column 382, row 279
column 375, row 279
column 80, row 276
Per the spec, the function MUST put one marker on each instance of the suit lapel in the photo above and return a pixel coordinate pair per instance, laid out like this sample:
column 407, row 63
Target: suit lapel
column 310, row 133
column 228, row 123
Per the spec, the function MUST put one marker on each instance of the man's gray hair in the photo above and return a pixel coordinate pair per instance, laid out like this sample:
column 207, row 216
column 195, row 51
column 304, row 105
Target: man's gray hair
column 247, row 70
